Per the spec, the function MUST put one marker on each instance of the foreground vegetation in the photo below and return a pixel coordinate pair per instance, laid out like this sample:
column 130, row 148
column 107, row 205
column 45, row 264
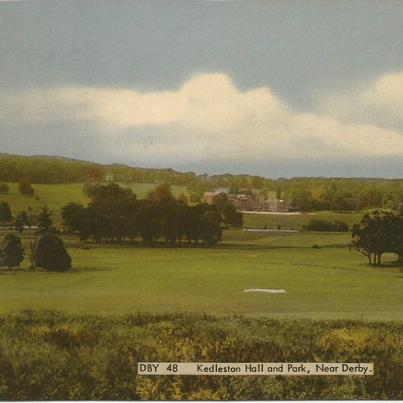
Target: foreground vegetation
column 54, row 356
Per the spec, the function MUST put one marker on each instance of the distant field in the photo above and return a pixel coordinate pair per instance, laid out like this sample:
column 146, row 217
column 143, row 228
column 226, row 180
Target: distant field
column 297, row 221
column 57, row 196
column 327, row 282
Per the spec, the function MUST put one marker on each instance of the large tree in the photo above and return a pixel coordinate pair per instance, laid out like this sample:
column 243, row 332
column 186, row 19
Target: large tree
column 73, row 215
column 378, row 233
column 50, row 254
column 44, row 219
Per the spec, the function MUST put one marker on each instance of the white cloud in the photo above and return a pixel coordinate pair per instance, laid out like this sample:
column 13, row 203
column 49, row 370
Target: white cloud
column 379, row 102
column 210, row 116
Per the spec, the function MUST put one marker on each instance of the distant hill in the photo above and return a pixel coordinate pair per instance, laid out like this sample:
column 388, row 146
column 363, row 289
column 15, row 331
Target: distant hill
column 55, row 169
column 307, row 193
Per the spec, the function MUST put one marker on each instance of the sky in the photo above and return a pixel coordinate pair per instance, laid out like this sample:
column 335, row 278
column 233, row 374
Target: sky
column 274, row 88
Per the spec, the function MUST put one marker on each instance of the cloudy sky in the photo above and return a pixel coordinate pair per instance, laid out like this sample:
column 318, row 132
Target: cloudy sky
column 275, row 88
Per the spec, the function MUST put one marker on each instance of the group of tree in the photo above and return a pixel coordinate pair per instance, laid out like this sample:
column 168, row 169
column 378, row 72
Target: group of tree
column 115, row 214
column 323, row 225
column 379, row 232
column 26, row 218
column 47, row 253
column 42, row 169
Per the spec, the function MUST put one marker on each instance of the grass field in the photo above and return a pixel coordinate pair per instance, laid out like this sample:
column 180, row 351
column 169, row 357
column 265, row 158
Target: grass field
column 324, row 282
column 297, row 221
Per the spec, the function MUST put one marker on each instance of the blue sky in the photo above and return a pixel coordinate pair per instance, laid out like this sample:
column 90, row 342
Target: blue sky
column 275, row 88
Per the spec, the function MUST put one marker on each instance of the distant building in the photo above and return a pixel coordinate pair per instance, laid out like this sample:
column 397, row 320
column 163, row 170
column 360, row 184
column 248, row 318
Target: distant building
column 210, row 197
column 222, row 190
column 109, row 177
column 243, row 202
column 247, row 202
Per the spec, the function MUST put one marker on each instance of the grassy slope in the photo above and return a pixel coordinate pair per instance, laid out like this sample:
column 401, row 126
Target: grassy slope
column 57, row 196
column 329, row 282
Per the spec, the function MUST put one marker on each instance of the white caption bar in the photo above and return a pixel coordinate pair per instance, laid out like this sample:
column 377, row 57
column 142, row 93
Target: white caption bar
column 253, row 368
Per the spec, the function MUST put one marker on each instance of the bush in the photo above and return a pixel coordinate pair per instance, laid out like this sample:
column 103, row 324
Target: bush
column 50, row 254
column 5, row 212
column 12, row 252
column 51, row 356
column 26, row 188
column 322, row 225
column 4, row 188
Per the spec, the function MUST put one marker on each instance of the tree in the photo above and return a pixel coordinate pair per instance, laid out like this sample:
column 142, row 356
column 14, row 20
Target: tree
column 12, row 252
column 378, row 232
column 25, row 187
column 161, row 195
column 211, row 230
column 32, row 254
column 21, row 220
column 228, row 214
column 95, row 173
column 29, row 217
column 44, row 219
column 19, row 223
column 73, row 214
column 4, row 188
column 50, row 254
column 5, row 212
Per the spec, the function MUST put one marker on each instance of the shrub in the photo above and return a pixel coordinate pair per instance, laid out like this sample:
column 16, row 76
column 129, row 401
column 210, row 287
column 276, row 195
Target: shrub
column 50, row 254
column 4, row 188
column 54, row 356
column 5, row 212
column 26, row 188
column 12, row 252
column 322, row 225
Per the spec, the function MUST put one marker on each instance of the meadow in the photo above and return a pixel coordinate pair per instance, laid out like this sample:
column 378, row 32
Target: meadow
column 325, row 281
column 296, row 221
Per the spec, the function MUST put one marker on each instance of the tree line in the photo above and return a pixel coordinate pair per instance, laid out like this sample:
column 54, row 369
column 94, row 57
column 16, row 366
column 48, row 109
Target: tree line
column 306, row 194
column 114, row 214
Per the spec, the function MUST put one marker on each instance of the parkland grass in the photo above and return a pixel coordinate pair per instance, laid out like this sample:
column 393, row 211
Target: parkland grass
column 327, row 281
column 298, row 220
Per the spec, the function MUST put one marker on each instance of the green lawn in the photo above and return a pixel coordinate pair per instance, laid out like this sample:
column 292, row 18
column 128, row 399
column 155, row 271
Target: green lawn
column 298, row 220
column 326, row 282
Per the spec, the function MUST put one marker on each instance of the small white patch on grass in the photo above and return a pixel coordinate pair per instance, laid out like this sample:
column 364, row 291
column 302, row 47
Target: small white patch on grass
column 268, row 290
